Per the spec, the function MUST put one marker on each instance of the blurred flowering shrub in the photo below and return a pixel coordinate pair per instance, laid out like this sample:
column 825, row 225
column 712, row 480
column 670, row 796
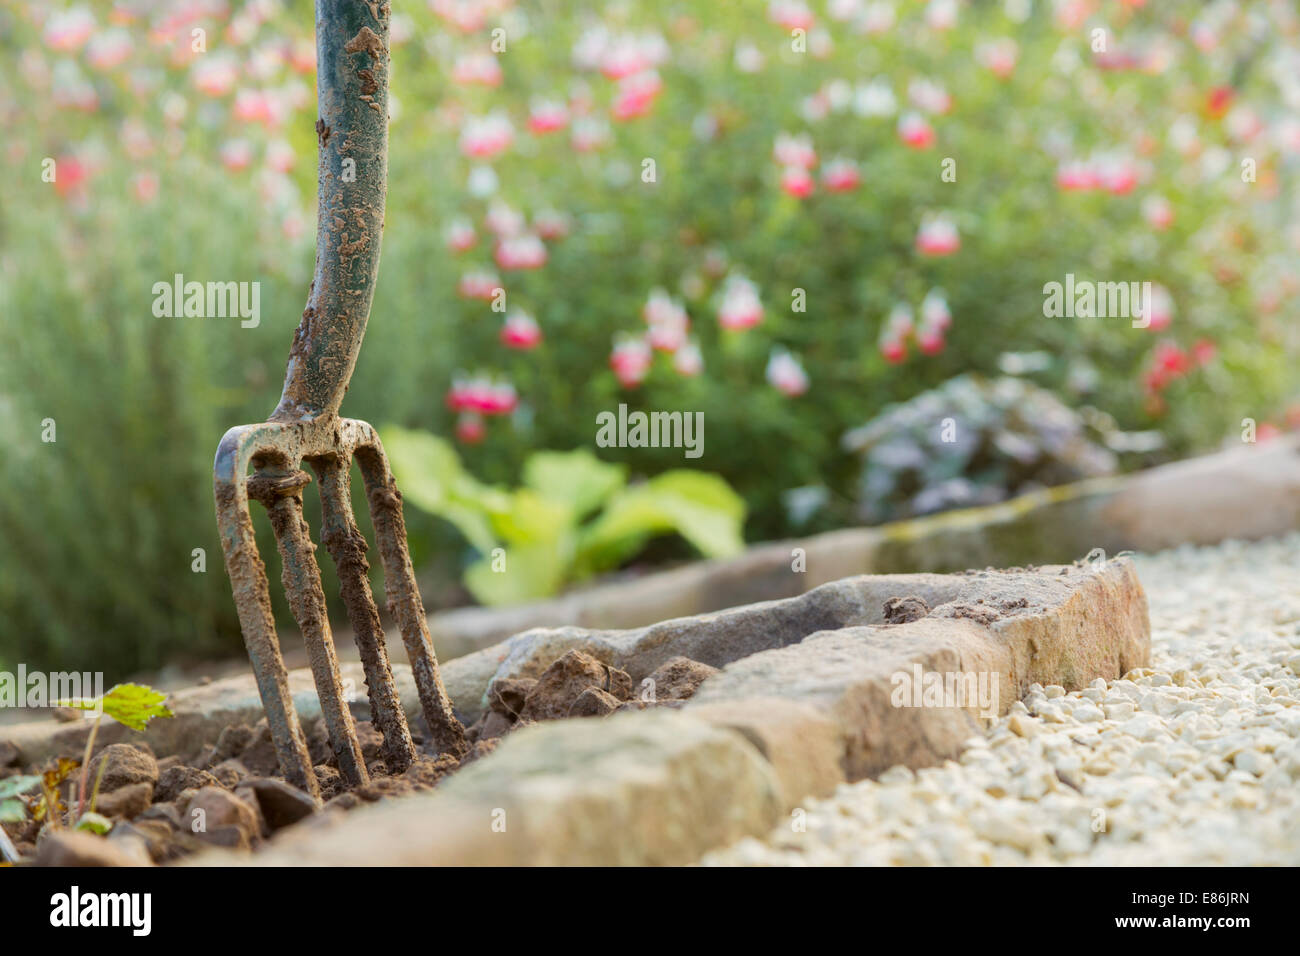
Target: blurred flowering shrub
column 785, row 215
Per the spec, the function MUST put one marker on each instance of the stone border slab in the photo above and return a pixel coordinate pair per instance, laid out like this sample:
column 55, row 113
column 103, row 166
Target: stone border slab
column 776, row 725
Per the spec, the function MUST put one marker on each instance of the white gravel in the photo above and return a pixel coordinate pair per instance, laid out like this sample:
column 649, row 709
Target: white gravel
column 1195, row 760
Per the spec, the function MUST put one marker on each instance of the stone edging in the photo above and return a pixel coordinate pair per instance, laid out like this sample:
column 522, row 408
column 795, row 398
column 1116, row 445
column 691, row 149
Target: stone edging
column 780, row 723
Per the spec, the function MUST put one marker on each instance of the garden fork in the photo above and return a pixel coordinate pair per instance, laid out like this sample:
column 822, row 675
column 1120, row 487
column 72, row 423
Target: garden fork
column 352, row 135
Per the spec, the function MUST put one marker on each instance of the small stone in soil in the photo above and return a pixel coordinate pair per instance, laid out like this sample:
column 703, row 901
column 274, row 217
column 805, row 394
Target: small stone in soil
column 175, row 779
column 563, row 682
column 594, row 702
column 123, row 764
column 125, row 802
column 678, row 678
column 902, row 610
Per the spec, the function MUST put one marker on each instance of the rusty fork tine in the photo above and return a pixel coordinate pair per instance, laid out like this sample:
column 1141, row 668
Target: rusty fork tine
column 347, row 546
column 282, row 496
column 404, row 602
column 253, row 602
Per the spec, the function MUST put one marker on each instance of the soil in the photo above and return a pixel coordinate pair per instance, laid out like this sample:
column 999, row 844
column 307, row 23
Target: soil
column 231, row 793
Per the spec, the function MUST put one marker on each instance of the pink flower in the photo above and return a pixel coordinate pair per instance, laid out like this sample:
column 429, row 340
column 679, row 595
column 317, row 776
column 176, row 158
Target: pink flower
column 687, row 361
column 630, row 361
column 791, row 14
column 521, row 331
column 915, row 131
column 935, row 313
column 70, row 176
column 1119, row 175
column 898, row 326
column 1076, row 177
column 292, row 225
column 280, row 156
column 254, row 106
column 841, row 176
column 460, row 235
column 479, row 285
column 551, row 225
column 628, row 55
column 236, row 154
column 108, row 49
column 547, row 116
column 215, row 75
column 66, row 31
column 1203, row 352
column 930, row 340
column 470, row 429
column 941, row 14
column 741, row 307
column 636, row 94
column 937, row 236
column 1158, row 211
column 667, row 320
column 302, row 57
column 482, row 395
column 797, row 182
column 929, row 95
column 145, row 186
column 794, row 151
column 893, row 351
column 135, row 139
column 503, row 220
column 477, row 69
column 487, row 136
column 521, row 252
column 589, row 134
column 999, row 56
column 1243, row 124
column 785, row 374
column 1160, row 308
column 467, row 16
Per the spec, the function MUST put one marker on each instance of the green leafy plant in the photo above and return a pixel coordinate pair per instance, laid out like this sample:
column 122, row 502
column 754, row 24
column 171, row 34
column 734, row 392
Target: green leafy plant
column 131, row 704
column 574, row 515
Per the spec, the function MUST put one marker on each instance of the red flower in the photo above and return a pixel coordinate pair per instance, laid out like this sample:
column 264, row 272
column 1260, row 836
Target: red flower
column 1218, row 101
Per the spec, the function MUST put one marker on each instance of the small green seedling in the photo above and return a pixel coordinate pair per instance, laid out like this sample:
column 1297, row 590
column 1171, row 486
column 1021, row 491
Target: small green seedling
column 131, row 704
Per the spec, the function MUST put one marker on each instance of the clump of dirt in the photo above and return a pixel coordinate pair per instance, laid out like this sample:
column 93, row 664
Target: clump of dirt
column 902, row 610
column 230, row 792
column 979, row 613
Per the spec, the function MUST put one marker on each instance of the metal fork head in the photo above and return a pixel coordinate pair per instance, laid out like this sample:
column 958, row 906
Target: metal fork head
column 277, row 451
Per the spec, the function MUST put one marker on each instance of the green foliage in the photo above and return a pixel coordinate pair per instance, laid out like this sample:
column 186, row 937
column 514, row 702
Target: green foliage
column 131, row 704
column 573, row 517
column 12, row 809
column 93, row 822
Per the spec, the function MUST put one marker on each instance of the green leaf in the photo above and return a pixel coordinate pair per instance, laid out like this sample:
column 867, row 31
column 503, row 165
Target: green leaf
column 531, row 572
column 432, row 478
column 13, row 786
column 94, row 823
column 131, row 704
column 530, row 519
column 12, row 811
column 700, row 507
column 576, row 478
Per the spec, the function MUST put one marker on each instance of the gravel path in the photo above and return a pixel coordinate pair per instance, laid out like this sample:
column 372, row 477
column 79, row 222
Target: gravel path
column 1193, row 761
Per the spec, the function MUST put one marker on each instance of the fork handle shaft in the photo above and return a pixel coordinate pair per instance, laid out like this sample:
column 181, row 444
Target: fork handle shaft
column 352, row 182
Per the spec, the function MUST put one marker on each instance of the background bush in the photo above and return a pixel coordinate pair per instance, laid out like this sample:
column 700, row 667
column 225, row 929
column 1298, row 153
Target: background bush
column 98, row 528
